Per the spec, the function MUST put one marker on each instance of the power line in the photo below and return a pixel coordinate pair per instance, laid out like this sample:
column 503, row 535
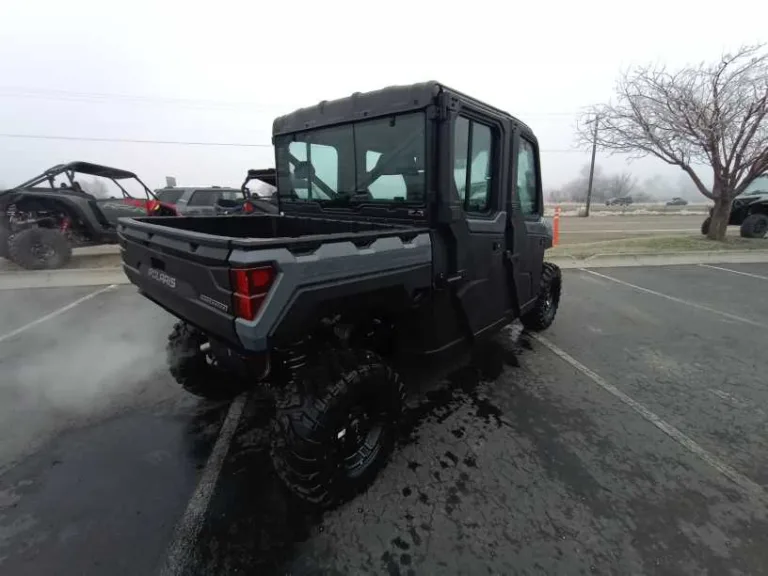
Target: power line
column 134, row 141
column 192, row 143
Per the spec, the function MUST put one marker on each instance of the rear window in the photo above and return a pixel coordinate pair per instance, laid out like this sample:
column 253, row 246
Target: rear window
column 169, row 196
column 210, row 197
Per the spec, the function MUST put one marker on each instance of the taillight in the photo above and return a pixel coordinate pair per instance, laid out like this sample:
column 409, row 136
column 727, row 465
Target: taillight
column 249, row 289
column 247, row 207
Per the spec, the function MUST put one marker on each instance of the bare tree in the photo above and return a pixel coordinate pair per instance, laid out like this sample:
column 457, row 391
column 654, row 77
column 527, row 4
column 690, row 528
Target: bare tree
column 96, row 187
column 620, row 185
column 576, row 189
column 712, row 114
column 604, row 186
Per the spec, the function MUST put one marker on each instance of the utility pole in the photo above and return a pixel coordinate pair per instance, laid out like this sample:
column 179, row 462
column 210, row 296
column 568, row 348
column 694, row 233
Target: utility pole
column 592, row 167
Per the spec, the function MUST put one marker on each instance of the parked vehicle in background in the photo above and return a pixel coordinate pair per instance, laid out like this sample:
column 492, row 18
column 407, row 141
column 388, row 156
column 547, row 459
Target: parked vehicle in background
column 212, row 200
column 197, row 201
column 749, row 210
column 69, row 205
column 258, row 195
column 677, row 201
column 402, row 238
column 623, row 201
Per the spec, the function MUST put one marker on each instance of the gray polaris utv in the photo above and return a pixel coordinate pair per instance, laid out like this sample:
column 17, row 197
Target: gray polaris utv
column 410, row 228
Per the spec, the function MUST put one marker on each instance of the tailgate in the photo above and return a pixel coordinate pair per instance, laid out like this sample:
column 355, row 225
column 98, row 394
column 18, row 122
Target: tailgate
column 186, row 274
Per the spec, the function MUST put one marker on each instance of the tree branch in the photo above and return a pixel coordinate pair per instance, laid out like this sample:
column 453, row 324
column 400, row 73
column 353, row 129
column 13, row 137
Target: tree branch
column 716, row 114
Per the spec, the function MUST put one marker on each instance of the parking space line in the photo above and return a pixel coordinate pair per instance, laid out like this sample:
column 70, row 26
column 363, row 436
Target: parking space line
column 181, row 549
column 686, row 442
column 55, row 313
column 734, row 271
column 675, row 299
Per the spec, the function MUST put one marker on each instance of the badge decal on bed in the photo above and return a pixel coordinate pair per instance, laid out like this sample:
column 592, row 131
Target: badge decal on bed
column 162, row 277
column 215, row 303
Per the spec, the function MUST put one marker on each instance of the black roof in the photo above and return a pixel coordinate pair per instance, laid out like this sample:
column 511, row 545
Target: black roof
column 390, row 100
column 91, row 169
column 80, row 167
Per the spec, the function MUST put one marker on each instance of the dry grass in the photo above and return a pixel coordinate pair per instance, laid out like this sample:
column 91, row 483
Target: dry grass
column 658, row 245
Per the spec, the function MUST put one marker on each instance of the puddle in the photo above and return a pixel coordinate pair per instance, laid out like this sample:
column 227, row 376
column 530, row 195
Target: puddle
column 255, row 525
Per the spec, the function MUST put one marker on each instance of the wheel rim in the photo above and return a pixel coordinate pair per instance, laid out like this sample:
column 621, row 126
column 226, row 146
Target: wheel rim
column 360, row 438
column 549, row 304
column 42, row 252
column 761, row 227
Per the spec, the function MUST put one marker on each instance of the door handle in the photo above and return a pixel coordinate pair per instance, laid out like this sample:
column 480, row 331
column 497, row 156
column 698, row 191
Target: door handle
column 496, row 246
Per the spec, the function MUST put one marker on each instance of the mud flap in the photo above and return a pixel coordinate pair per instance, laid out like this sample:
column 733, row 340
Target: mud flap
column 457, row 288
column 510, row 261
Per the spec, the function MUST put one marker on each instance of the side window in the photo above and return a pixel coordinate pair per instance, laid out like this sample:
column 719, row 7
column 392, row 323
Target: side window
column 479, row 194
column 169, row 196
column 472, row 168
column 526, row 179
column 460, row 154
column 202, row 198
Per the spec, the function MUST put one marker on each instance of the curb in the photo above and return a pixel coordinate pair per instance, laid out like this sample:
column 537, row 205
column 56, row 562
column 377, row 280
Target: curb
column 79, row 261
column 73, row 277
column 662, row 259
column 101, row 250
column 65, row 278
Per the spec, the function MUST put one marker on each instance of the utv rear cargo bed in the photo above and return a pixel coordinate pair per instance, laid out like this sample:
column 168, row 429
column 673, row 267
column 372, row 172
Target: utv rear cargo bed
column 185, row 264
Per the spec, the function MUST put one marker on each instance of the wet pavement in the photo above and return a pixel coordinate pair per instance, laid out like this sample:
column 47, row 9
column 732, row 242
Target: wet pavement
column 526, row 467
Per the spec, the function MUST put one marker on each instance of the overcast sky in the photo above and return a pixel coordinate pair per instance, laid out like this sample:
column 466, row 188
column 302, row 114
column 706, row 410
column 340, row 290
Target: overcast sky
column 220, row 71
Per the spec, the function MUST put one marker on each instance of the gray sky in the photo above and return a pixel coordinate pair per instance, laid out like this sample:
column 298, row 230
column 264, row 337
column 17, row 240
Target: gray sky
column 220, row 71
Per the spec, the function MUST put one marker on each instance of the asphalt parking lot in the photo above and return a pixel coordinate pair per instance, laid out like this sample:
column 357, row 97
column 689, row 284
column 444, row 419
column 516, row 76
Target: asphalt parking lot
column 630, row 438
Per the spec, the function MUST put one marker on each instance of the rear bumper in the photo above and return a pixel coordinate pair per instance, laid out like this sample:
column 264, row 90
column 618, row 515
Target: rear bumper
column 186, row 305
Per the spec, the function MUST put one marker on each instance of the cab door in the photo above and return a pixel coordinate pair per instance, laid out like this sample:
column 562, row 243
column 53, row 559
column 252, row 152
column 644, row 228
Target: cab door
column 528, row 235
column 477, row 177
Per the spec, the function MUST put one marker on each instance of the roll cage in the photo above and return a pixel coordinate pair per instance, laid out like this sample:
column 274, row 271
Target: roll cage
column 70, row 169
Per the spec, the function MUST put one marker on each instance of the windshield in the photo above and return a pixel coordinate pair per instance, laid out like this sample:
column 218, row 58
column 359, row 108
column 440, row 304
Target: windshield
column 758, row 186
column 371, row 161
column 170, row 196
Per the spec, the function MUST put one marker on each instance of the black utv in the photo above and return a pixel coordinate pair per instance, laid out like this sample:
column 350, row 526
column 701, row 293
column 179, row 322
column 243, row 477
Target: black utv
column 74, row 204
column 410, row 229
column 749, row 210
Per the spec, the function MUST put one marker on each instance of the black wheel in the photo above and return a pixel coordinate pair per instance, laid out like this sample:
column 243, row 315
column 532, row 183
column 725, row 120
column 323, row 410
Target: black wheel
column 39, row 249
column 194, row 370
column 543, row 313
column 754, row 226
column 5, row 235
column 333, row 433
column 705, row 225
